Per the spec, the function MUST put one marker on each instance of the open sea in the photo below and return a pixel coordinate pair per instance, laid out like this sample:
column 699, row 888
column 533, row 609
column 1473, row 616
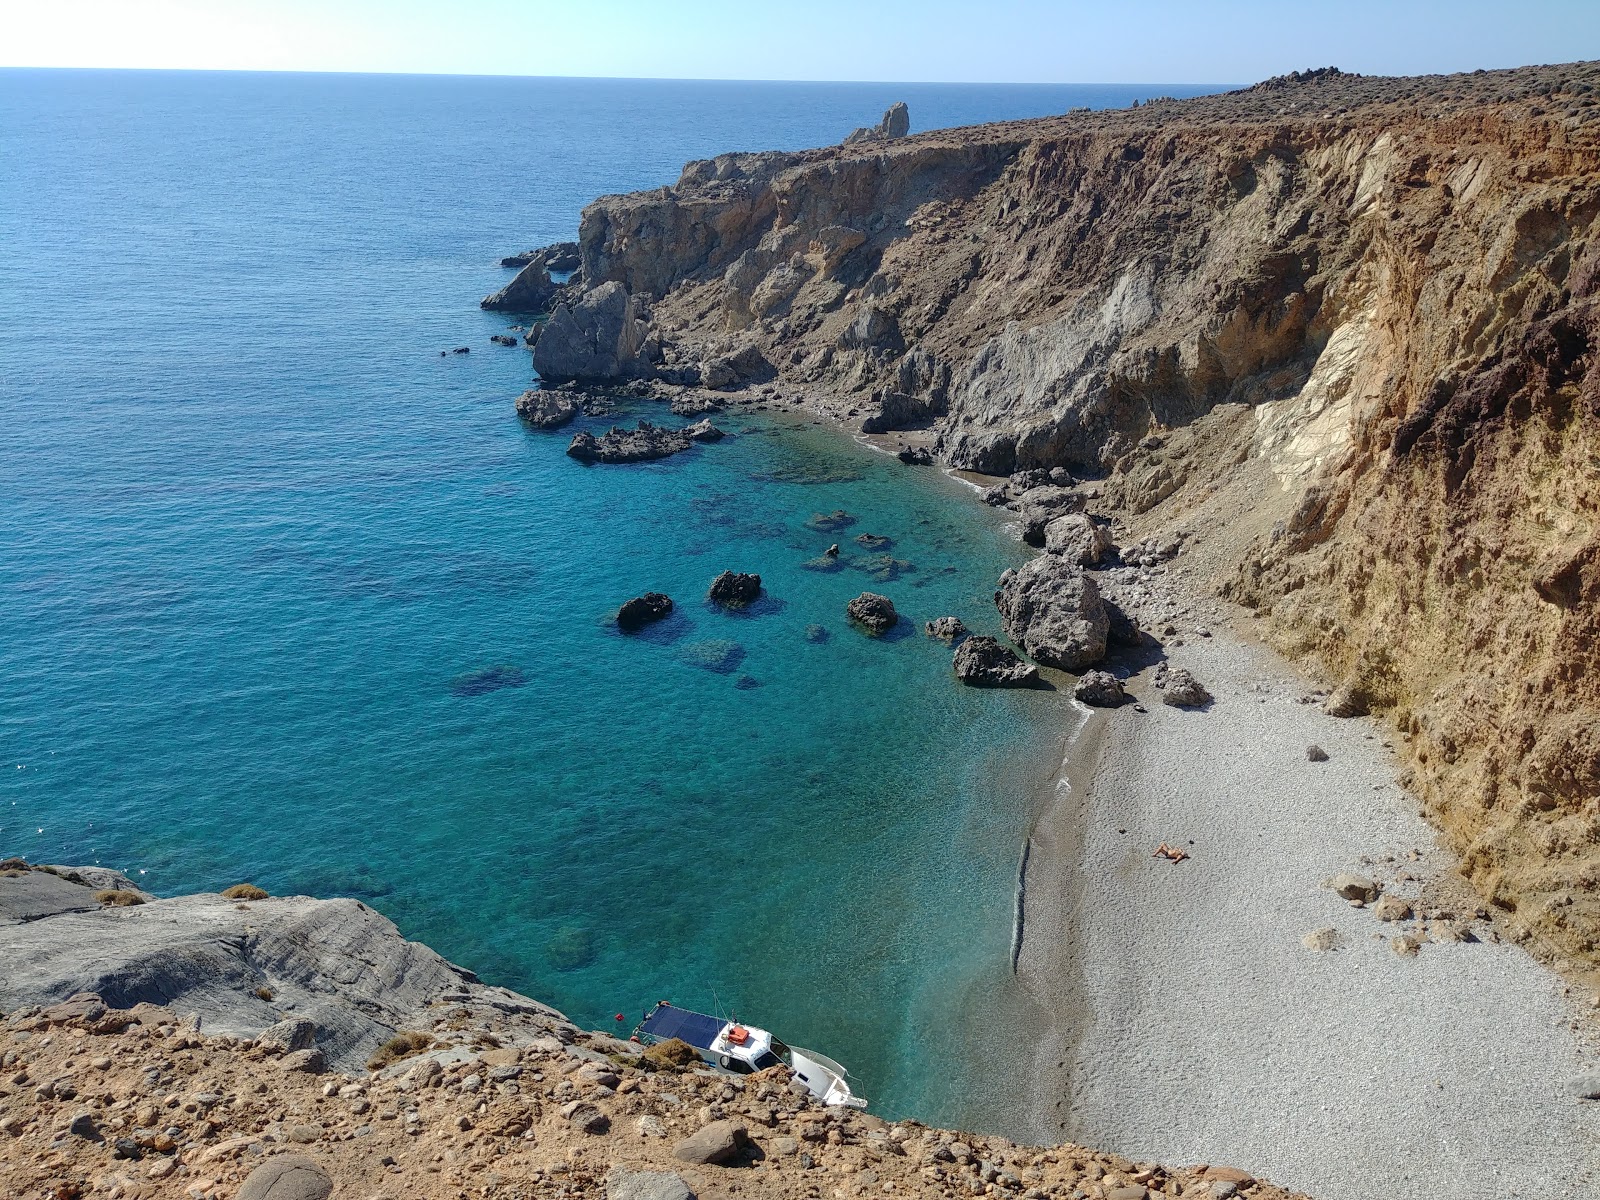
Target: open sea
column 287, row 597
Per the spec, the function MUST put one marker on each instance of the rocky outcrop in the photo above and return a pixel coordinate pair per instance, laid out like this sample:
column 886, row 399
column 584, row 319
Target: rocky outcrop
column 1054, row 611
column 619, row 445
column 1079, row 539
column 239, row 966
column 982, row 661
column 643, row 610
column 874, row 613
column 896, row 123
column 946, row 629
column 546, row 410
column 703, row 431
column 533, row 290
column 602, row 335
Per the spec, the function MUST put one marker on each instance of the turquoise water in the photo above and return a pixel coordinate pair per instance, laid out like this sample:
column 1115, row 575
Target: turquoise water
column 265, row 555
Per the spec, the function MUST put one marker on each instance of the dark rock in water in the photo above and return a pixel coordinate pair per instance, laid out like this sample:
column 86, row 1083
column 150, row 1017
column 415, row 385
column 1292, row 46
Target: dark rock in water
column 546, row 410
column 916, row 456
column 946, row 629
column 832, row 551
column 642, row 610
column 747, row 683
column 983, row 662
column 1183, row 690
column 827, row 564
column 895, row 123
column 817, row 634
column 619, row 445
column 703, row 431
column 873, row 611
column 716, row 654
column 1102, row 689
column 462, row 350
column 559, row 256
column 735, row 589
column 873, row 541
column 602, row 335
column 490, row 679
column 830, row 522
column 572, row 947
column 1054, row 611
column 883, row 568
column 694, row 405
column 502, row 339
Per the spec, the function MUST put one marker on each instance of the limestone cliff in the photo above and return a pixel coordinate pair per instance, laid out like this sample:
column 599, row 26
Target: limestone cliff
column 1339, row 329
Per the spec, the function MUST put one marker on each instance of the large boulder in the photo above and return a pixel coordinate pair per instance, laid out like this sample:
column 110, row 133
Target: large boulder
column 1101, row 689
column 603, row 335
column 532, row 291
column 1054, row 611
column 558, row 256
column 1038, row 506
column 1078, row 539
column 983, row 662
column 619, row 445
column 703, row 431
column 716, row 1143
column 287, row 1177
column 546, row 410
column 1183, row 690
column 946, row 629
column 874, row 612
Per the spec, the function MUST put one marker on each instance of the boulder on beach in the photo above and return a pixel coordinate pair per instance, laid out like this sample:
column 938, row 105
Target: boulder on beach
column 915, row 456
column 642, row 610
column 981, row 661
column 1183, row 690
column 619, row 445
column 946, row 629
column 876, row 613
column 1054, row 611
column 1101, row 689
column 734, row 589
column 1078, row 538
column 1038, row 506
column 546, row 410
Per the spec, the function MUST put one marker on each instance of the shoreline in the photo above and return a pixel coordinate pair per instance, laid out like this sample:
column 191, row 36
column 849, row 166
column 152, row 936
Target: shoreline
column 1187, row 1020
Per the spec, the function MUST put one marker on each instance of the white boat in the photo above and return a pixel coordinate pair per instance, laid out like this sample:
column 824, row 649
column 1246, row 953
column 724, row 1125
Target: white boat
column 744, row 1049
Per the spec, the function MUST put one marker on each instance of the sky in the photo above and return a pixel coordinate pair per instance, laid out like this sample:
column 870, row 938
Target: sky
column 955, row 41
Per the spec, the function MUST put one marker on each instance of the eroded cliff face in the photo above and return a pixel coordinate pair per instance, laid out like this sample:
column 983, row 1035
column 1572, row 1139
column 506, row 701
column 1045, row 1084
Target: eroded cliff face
column 1339, row 329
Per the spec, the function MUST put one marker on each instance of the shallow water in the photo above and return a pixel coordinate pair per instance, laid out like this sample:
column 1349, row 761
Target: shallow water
column 287, row 596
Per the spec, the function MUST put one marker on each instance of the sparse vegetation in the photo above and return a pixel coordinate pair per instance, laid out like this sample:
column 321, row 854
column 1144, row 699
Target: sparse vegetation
column 245, row 891
column 674, row 1054
column 264, row 993
column 401, row 1046
column 119, row 898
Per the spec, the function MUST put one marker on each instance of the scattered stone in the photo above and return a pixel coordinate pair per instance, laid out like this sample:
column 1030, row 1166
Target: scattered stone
column 287, row 1177
column 714, row 1143
column 982, row 661
column 623, row 1184
column 1316, row 754
column 309, row 1062
column 1355, row 887
column 692, row 404
column 546, row 410
column 82, row 1125
column 1326, row 938
column 1391, row 908
column 585, row 1117
column 873, row 611
column 1101, row 689
column 619, row 445
column 502, row 339
column 734, row 589
column 946, row 629
column 296, row 1033
column 1346, row 701
column 642, row 610
column 1406, row 945
column 1183, row 690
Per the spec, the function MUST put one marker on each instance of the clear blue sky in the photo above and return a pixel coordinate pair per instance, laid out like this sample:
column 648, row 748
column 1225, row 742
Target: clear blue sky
column 1068, row 41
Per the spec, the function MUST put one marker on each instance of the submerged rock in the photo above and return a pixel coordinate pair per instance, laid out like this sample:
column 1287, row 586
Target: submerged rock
column 831, row 522
column 873, row 611
column 873, row 541
column 490, row 679
column 619, row 445
column 982, row 661
column 546, row 410
column 717, row 655
column 1053, row 611
column 735, row 589
column 883, row 568
column 642, row 610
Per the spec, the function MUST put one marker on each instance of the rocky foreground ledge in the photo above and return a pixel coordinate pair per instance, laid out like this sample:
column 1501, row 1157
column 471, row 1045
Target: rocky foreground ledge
column 248, row 1082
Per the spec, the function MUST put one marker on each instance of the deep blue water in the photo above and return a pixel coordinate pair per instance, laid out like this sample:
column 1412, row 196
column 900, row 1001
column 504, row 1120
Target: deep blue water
column 264, row 555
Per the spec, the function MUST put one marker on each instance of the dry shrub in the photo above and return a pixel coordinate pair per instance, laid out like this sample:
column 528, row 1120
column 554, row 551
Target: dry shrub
column 674, row 1054
column 119, row 899
column 401, row 1045
column 244, row 891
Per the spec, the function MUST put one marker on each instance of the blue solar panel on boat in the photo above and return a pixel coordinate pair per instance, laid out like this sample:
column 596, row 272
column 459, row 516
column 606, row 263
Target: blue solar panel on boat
column 695, row 1028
